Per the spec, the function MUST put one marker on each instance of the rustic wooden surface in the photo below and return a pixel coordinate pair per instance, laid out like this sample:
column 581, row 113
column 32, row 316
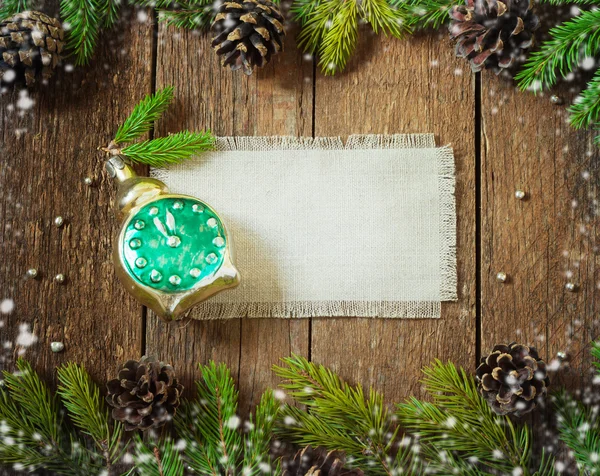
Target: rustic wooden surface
column 503, row 140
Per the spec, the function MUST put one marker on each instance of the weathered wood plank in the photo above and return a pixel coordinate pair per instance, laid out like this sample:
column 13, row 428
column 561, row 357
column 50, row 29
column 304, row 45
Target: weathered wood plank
column 46, row 153
column 275, row 101
column 411, row 87
column 542, row 242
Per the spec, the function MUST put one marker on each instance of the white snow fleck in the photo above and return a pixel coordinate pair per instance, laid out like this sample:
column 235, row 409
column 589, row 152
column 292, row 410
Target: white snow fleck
column 279, row 394
column 497, row 454
column 588, row 63
column 25, row 337
column 24, row 101
column 288, row 420
column 233, row 422
column 7, row 306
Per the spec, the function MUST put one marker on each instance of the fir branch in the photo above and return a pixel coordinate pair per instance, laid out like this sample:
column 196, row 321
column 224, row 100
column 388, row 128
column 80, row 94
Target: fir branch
column 427, row 13
column 562, row 53
column 258, row 439
column 585, row 111
column 81, row 398
column 579, row 429
column 340, row 417
column 83, row 19
column 110, row 12
column 8, row 8
column 384, row 17
column 316, row 18
column 192, row 15
column 340, row 38
column 143, row 116
column 34, row 434
column 162, row 459
column 459, row 419
column 171, row 149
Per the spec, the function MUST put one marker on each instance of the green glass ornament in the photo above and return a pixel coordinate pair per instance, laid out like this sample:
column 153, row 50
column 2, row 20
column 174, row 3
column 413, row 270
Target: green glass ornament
column 172, row 251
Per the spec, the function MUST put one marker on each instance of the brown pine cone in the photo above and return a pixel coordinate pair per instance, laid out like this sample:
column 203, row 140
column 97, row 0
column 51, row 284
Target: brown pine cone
column 30, row 47
column 513, row 379
column 492, row 33
column 248, row 32
column 318, row 462
column 145, row 394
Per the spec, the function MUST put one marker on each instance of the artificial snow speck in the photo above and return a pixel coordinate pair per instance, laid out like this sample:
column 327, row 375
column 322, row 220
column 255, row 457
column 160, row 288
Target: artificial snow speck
column 25, row 338
column 7, row 306
column 24, row 102
column 233, row 422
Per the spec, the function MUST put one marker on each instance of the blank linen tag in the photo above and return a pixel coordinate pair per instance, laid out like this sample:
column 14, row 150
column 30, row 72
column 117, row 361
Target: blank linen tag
column 320, row 228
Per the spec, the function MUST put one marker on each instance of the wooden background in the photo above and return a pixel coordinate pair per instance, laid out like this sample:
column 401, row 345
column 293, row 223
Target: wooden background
column 503, row 140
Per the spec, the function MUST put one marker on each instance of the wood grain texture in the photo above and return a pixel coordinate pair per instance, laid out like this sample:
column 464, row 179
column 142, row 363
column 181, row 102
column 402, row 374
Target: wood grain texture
column 542, row 242
column 275, row 101
column 46, row 153
column 410, row 86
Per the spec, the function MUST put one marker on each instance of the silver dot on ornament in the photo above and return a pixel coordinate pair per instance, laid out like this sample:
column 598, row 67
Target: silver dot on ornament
column 561, row 355
column 175, row 280
column 88, row 181
column 571, row 287
column 59, row 221
column 556, row 100
column 60, row 278
column 32, row 273
column 520, row 194
column 57, row 347
column 502, row 277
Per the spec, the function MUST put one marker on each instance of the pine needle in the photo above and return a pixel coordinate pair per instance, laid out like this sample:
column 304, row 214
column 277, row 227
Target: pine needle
column 339, row 38
column 428, row 13
column 83, row 19
column 110, row 12
column 569, row 43
column 33, row 432
column 8, row 8
column 143, row 116
column 459, row 419
column 585, row 111
column 171, row 149
column 191, row 15
column 579, row 429
column 339, row 417
column 81, row 397
column 384, row 17
column 162, row 459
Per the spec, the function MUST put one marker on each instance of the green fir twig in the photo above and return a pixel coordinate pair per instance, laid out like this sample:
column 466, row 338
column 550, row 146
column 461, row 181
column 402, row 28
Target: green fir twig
column 171, row 149
column 144, row 114
column 8, row 8
column 459, row 421
column 160, row 151
column 340, row 417
column 579, row 429
column 569, row 43
column 161, row 459
column 429, row 13
column 86, row 408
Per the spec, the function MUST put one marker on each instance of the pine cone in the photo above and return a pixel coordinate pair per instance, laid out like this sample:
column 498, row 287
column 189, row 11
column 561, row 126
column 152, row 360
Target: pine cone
column 145, row 395
column 492, row 33
column 318, row 462
column 248, row 32
column 30, row 47
column 513, row 379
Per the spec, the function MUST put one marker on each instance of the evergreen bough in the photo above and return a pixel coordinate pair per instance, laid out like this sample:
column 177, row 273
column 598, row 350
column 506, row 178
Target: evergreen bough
column 160, row 151
column 453, row 432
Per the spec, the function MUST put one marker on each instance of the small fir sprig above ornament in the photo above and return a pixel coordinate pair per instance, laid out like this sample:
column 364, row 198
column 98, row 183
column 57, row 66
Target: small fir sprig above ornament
column 161, row 151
